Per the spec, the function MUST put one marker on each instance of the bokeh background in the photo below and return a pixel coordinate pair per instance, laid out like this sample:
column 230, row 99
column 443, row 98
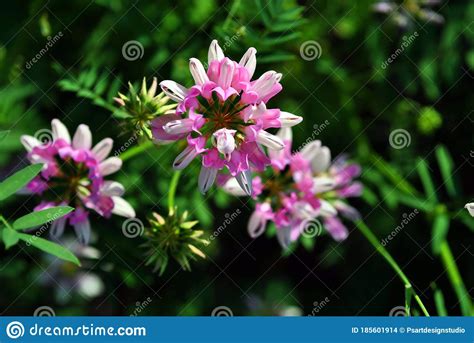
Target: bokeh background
column 351, row 97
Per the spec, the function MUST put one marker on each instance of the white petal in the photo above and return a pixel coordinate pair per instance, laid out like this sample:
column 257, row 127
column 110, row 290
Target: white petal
column 82, row 138
column 284, row 236
column 269, row 140
column 289, row 119
column 215, row 52
column 174, row 90
column 232, row 187
column 327, row 210
column 245, row 181
column 256, row 225
column 110, row 166
column 60, row 131
column 57, row 228
column 122, row 208
column 207, row 176
column 83, row 231
column 285, row 134
column 176, row 127
column 321, row 160
column 226, row 74
column 310, row 149
column 29, row 142
column 112, row 188
column 323, row 184
column 184, row 158
column 102, row 149
column 197, row 71
column 249, row 61
column 470, row 208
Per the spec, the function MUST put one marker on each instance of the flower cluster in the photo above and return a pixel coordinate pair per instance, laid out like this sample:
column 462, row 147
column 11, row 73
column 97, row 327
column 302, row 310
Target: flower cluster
column 73, row 174
column 224, row 118
column 302, row 188
column 402, row 14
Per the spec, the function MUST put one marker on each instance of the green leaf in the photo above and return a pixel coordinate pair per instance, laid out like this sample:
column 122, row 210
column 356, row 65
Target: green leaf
column 3, row 135
column 440, row 231
column 439, row 302
column 426, row 180
column 18, row 180
column 446, row 166
column 40, row 217
column 10, row 237
column 49, row 247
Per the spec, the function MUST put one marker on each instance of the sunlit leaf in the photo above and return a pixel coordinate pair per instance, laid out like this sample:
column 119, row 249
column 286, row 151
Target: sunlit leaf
column 40, row 217
column 18, row 180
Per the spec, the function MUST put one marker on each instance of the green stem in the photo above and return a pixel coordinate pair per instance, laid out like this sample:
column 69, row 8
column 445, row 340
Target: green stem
column 136, row 150
column 4, row 221
column 385, row 254
column 456, row 279
column 172, row 191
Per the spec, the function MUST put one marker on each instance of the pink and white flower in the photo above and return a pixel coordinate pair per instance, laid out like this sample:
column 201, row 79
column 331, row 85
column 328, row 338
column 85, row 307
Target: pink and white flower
column 73, row 174
column 224, row 117
column 303, row 188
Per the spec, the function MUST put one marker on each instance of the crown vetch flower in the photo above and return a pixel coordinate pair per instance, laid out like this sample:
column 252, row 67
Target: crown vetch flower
column 73, row 173
column 224, row 117
column 302, row 188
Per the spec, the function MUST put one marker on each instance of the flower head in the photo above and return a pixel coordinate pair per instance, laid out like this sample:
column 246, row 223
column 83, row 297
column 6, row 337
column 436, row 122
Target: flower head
column 224, row 117
column 73, row 174
column 302, row 188
column 173, row 236
column 139, row 108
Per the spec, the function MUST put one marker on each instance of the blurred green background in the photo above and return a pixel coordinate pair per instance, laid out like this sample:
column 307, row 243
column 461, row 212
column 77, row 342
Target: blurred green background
column 350, row 97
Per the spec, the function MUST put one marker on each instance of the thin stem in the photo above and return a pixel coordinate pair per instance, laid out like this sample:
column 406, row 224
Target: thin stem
column 456, row 279
column 385, row 254
column 172, row 191
column 136, row 150
column 4, row 221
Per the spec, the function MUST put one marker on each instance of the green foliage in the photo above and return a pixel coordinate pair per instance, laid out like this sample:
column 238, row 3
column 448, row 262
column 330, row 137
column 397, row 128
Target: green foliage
column 18, row 180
